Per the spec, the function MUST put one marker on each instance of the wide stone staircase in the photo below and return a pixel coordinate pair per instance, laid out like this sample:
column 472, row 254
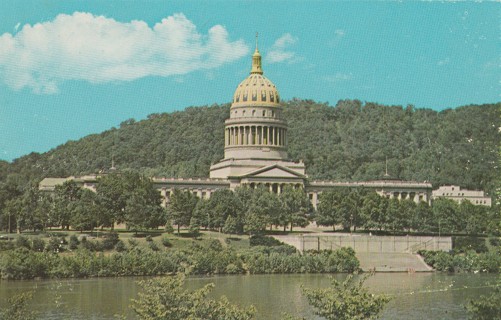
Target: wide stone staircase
column 392, row 262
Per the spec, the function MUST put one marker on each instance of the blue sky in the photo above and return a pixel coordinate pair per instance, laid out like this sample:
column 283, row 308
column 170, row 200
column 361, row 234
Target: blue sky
column 72, row 68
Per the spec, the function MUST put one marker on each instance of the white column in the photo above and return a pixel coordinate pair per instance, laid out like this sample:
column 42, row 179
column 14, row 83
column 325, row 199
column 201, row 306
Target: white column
column 315, row 200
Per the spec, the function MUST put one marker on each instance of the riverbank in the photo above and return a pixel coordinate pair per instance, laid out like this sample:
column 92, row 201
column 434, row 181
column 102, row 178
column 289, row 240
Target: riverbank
column 60, row 255
column 202, row 257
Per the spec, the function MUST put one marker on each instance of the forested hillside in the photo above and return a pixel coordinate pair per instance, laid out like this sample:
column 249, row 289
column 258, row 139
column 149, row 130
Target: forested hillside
column 347, row 142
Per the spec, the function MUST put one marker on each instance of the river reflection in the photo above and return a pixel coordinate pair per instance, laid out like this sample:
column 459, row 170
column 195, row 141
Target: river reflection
column 415, row 296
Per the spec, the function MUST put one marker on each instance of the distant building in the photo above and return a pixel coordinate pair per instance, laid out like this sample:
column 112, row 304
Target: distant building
column 457, row 194
column 255, row 153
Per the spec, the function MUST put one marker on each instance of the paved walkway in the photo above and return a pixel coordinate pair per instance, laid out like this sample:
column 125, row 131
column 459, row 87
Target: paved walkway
column 392, row 262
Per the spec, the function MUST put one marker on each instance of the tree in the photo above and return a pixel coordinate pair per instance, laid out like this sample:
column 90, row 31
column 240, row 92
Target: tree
column 166, row 299
column 296, row 208
column 405, row 215
column 181, row 207
column 64, row 197
column 327, row 212
column 113, row 191
column 393, row 212
column 486, row 307
column 445, row 216
column 215, row 211
column 476, row 218
column 13, row 209
column 264, row 209
column 374, row 211
column 143, row 209
column 423, row 217
column 348, row 300
column 84, row 211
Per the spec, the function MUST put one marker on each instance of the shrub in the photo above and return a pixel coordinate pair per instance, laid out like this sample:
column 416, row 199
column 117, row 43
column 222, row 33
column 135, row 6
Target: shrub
column 148, row 238
column 260, row 240
column 73, row 245
column 38, row 245
column 166, row 242
column 464, row 244
column 110, row 240
column 495, row 242
column 153, row 246
column 215, row 245
column 23, row 242
column 120, row 246
column 132, row 243
column 55, row 245
column 168, row 227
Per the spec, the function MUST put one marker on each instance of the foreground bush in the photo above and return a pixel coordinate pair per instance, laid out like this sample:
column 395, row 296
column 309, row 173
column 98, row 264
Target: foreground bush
column 486, row 307
column 17, row 308
column 166, row 299
column 346, row 300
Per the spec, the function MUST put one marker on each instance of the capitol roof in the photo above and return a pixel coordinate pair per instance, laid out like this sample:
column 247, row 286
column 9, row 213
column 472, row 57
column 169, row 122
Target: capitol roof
column 256, row 89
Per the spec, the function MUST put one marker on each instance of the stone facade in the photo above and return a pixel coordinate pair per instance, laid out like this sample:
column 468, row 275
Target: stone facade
column 457, row 194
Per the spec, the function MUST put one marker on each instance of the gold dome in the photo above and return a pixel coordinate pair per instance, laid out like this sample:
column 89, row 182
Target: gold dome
column 256, row 89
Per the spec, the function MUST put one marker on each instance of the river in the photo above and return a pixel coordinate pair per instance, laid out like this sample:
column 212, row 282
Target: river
column 414, row 296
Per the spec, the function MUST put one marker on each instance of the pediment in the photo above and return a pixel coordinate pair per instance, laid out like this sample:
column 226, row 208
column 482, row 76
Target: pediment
column 273, row 171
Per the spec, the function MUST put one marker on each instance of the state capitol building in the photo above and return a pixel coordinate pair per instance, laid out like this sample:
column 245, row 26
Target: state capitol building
column 255, row 153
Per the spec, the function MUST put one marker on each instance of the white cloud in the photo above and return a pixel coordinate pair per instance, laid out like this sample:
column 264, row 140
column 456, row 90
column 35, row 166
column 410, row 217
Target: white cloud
column 279, row 52
column 334, row 40
column 339, row 33
column 97, row 49
column 338, row 77
column 445, row 61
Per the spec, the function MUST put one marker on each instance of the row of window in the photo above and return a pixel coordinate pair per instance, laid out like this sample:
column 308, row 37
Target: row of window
column 254, row 113
column 271, row 97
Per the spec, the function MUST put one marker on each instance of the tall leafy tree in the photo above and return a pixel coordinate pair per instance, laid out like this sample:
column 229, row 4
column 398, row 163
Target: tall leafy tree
column 445, row 216
column 113, row 191
column 64, row 197
column 296, row 208
column 423, row 217
column 180, row 208
column 373, row 211
column 327, row 211
column 143, row 209
column 84, row 211
column 406, row 214
column 264, row 209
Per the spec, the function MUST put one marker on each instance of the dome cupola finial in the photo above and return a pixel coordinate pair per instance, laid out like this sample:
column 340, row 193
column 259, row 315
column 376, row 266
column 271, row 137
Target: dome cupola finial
column 256, row 60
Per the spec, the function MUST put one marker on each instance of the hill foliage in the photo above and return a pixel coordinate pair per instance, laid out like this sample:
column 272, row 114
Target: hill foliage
column 350, row 141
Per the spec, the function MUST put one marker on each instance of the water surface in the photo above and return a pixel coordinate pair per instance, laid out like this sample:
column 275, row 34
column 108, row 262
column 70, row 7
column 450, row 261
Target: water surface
column 414, row 296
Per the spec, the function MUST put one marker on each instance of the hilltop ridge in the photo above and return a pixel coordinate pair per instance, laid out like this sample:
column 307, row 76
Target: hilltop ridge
column 350, row 141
